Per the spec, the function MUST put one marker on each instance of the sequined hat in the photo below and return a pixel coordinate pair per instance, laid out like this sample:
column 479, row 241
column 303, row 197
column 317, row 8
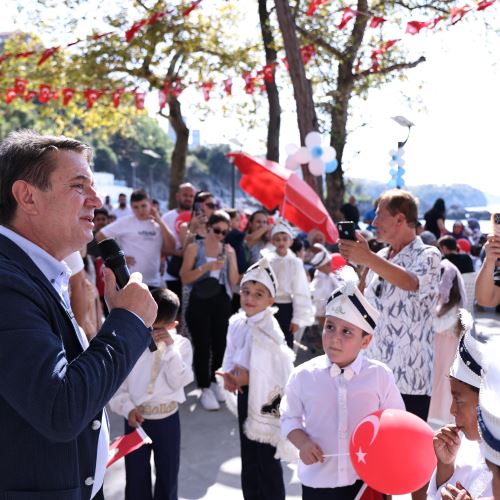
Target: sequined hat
column 261, row 272
column 349, row 304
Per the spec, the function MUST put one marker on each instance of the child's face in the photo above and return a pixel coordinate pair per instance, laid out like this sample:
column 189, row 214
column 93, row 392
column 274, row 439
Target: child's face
column 282, row 242
column 342, row 341
column 235, row 222
column 326, row 268
column 255, row 297
column 463, row 408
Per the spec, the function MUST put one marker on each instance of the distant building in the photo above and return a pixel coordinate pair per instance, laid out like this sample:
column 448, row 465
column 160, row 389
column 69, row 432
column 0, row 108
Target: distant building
column 195, row 138
column 107, row 185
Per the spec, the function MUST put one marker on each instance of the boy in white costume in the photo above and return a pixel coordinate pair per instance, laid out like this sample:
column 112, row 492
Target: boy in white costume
column 488, row 413
column 257, row 364
column 324, row 281
column 326, row 398
column 459, row 452
column 293, row 298
column 149, row 398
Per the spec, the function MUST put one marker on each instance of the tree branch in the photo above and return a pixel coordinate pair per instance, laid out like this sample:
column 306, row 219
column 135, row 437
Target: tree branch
column 389, row 69
column 320, row 42
column 431, row 6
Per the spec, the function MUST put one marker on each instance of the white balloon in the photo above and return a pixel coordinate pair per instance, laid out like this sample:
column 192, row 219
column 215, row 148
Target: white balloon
column 302, row 155
column 401, row 162
column 329, row 154
column 393, row 152
column 393, row 163
column 317, row 166
column 401, row 151
column 291, row 164
column 313, row 139
column 291, row 149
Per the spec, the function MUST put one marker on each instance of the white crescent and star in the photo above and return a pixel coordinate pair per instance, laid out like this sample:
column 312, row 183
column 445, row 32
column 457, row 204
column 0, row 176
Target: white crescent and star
column 372, row 419
column 361, row 456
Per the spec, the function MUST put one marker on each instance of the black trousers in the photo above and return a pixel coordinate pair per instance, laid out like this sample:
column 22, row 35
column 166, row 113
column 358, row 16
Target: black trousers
column 341, row 493
column 261, row 473
column 165, row 435
column 417, row 404
column 284, row 318
column 207, row 321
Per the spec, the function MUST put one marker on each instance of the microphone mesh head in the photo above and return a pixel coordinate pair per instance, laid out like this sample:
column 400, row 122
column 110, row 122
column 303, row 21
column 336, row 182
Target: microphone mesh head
column 109, row 248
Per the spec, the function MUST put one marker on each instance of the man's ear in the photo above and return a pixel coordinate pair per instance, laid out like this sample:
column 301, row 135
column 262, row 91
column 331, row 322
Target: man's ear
column 23, row 193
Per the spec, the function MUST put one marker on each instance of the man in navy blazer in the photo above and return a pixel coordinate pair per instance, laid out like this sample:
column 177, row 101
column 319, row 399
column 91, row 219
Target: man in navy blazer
column 53, row 387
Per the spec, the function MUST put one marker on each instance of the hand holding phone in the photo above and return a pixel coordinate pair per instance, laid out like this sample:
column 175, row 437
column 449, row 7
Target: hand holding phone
column 347, row 230
column 495, row 221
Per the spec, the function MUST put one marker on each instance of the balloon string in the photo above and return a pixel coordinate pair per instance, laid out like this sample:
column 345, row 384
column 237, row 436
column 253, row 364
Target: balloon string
column 336, row 455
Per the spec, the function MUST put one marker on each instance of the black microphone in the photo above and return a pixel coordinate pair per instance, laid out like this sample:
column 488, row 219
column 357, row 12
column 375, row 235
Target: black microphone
column 114, row 258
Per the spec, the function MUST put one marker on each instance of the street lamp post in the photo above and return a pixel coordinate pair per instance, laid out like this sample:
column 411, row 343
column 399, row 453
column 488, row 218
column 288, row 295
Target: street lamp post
column 155, row 156
column 404, row 122
column 233, row 173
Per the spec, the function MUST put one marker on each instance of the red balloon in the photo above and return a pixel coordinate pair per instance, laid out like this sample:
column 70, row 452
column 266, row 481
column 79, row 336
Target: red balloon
column 338, row 262
column 182, row 217
column 392, row 451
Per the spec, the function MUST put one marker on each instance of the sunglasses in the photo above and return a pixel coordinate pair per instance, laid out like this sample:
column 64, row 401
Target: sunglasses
column 211, row 206
column 379, row 287
column 216, row 230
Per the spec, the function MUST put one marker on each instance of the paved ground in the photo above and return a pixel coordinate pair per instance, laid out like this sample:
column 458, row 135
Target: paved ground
column 210, row 463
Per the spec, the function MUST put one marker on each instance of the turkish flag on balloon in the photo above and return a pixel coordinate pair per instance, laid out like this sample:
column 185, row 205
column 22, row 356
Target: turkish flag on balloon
column 392, row 451
column 126, row 444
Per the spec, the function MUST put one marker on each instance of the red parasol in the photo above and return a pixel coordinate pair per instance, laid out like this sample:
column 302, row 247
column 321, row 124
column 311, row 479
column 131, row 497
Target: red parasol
column 275, row 186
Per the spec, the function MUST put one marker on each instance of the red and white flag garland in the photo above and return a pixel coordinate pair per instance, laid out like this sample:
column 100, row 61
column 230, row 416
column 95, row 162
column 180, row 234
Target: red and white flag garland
column 126, row 444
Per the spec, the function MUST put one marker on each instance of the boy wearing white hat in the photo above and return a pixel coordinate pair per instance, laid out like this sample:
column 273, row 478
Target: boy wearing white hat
column 293, row 298
column 459, row 452
column 257, row 364
column 488, row 414
column 326, row 398
column 324, row 281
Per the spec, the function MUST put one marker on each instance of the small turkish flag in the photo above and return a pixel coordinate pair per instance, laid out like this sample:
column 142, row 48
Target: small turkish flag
column 68, row 94
column 314, row 5
column 484, row 4
column 268, row 72
column 44, row 94
column 20, row 85
column 191, row 8
column 162, row 98
column 206, row 87
column 130, row 33
column 126, row 444
column 10, row 95
column 91, row 95
column 457, row 13
column 116, row 96
column 347, row 15
column 46, row 54
column 139, row 99
column 414, row 27
column 376, row 21
column 307, row 51
column 29, row 96
column 228, row 86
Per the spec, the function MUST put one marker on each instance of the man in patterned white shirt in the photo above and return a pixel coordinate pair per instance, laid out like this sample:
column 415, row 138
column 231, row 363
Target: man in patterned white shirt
column 403, row 285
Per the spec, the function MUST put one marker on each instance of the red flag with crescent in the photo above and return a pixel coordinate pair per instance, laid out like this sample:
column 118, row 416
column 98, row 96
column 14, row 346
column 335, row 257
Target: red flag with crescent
column 457, row 13
column 206, row 87
column 126, row 444
column 314, row 5
column 92, row 95
column 228, row 86
column 376, row 21
column 484, row 4
column 10, row 95
column 68, row 93
column 139, row 97
column 116, row 96
column 20, row 85
column 29, row 96
column 347, row 15
column 44, row 93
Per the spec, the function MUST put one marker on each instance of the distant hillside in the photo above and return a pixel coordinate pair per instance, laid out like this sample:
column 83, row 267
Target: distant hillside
column 456, row 196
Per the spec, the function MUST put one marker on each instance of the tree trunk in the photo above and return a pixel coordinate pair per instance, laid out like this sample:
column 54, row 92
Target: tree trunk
column 306, row 115
column 338, row 136
column 178, row 169
column 273, row 129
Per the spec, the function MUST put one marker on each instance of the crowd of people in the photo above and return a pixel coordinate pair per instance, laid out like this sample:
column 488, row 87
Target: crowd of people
column 228, row 297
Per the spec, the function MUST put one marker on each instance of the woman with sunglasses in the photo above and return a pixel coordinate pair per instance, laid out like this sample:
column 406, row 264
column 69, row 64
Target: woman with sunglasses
column 203, row 207
column 209, row 268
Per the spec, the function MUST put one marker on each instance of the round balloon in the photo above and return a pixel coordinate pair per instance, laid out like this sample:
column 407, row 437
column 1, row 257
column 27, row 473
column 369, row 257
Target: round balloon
column 392, row 451
column 182, row 217
column 313, row 139
column 302, row 155
column 317, row 166
column 331, row 166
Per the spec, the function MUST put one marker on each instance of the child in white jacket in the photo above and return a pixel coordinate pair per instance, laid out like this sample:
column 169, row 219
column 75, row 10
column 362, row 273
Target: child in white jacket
column 149, row 398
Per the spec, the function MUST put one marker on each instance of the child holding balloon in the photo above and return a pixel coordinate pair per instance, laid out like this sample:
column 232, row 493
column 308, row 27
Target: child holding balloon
column 328, row 396
column 460, row 459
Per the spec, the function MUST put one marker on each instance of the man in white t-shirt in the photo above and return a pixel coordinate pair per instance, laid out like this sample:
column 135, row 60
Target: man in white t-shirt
column 122, row 210
column 143, row 238
column 185, row 199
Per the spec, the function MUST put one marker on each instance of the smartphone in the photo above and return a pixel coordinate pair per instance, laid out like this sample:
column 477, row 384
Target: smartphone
column 495, row 221
column 347, row 230
column 197, row 208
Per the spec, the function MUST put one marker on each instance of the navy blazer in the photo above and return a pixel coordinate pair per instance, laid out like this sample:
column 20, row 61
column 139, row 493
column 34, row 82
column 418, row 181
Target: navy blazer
column 51, row 392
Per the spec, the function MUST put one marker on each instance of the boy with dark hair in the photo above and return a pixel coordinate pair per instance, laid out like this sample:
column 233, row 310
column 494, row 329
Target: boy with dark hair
column 328, row 396
column 149, row 398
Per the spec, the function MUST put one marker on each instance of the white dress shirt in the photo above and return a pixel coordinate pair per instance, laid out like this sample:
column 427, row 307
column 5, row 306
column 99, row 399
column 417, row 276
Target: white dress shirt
column 328, row 410
column 470, row 470
column 58, row 274
column 292, row 286
column 157, row 380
